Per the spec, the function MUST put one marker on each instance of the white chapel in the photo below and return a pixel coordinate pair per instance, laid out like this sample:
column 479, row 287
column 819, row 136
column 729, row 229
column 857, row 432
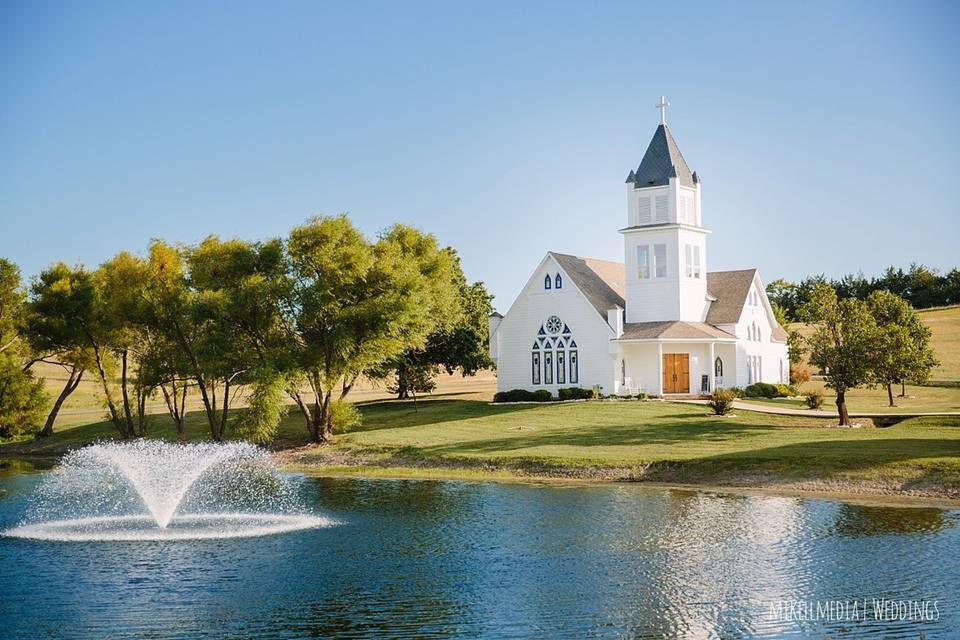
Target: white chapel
column 657, row 323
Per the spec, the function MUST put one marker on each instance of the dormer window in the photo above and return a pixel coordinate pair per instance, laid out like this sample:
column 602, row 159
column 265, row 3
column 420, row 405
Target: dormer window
column 558, row 282
column 547, row 281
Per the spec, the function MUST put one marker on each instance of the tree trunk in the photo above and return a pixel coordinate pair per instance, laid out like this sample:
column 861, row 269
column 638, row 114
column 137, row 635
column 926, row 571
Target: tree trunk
column 903, row 389
column 224, row 410
column 72, row 381
column 890, row 393
column 111, row 406
column 210, row 407
column 320, row 425
column 175, row 408
column 842, row 409
column 142, row 412
column 127, row 415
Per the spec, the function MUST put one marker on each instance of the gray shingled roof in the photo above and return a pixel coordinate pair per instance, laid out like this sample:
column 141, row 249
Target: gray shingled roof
column 672, row 329
column 730, row 288
column 661, row 162
column 601, row 281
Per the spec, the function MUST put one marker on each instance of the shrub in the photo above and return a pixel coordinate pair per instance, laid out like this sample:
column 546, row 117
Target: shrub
column 344, row 416
column 736, row 391
column 641, row 396
column 576, row 393
column 266, row 408
column 799, row 374
column 522, row 395
column 23, row 400
column 786, row 390
column 761, row 390
column 721, row 402
column 814, row 400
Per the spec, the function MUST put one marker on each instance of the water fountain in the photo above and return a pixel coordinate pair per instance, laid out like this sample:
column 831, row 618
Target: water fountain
column 153, row 490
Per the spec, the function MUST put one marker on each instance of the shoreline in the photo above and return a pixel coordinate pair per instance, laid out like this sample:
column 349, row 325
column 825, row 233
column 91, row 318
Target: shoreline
column 876, row 492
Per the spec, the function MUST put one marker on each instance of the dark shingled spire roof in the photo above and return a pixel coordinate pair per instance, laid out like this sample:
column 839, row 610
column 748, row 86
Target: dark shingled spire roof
column 661, row 162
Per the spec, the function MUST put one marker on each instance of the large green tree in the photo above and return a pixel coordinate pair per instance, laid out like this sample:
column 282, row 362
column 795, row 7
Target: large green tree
column 842, row 343
column 457, row 343
column 356, row 305
column 68, row 315
column 242, row 289
column 22, row 398
column 902, row 349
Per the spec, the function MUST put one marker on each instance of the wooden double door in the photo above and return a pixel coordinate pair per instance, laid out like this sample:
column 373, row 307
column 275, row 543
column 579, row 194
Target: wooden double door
column 676, row 373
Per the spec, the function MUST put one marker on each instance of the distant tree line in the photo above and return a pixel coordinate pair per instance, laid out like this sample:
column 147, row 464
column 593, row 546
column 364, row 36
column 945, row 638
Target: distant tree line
column 298, row 320
column 921, row 286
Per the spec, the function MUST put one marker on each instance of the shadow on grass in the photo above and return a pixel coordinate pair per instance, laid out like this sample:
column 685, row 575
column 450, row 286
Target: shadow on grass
column 846, row 454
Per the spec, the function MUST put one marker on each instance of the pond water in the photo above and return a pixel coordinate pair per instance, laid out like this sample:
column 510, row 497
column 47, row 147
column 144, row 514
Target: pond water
column 442, row 559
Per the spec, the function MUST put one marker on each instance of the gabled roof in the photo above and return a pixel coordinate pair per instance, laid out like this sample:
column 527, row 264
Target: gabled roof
column 730, row 288
column 601, row 281
column 661, row 162
column 672, row 329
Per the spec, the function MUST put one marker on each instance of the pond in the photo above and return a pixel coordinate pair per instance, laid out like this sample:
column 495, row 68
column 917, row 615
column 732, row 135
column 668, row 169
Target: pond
column 442, row 559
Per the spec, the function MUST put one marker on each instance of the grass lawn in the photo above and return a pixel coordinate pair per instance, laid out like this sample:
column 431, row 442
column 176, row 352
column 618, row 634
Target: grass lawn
column 662, row 441
column 918, row 400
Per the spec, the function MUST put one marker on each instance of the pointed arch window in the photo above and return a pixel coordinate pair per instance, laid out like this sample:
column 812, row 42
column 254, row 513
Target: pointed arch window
column 547, row 281
column 554, row 354
column 718, row 367
column 558, row 282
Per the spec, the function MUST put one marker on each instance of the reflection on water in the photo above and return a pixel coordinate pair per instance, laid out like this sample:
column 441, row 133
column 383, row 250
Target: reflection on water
column 442, row 559
column 857, row 520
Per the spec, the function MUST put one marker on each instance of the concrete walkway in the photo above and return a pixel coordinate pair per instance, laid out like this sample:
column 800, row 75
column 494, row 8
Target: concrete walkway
column 820, row 413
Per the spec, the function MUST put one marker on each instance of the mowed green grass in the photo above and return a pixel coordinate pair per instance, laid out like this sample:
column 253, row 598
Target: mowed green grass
column 918, row 399
column 629, row 433
column 666, row 435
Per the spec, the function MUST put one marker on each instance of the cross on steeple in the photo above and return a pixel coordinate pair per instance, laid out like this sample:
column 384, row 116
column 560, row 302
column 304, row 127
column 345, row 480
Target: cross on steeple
column 662, row 105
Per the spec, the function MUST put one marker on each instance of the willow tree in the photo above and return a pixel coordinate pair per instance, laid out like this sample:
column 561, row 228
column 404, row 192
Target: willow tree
column 357, row 304
column 458, row 342
column 842, row 344
column 67, row 315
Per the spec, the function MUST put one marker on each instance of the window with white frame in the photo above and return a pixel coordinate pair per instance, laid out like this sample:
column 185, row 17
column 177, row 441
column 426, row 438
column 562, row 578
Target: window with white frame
column 660, row 260
column 643, row 261
column 696, row 261
column 688, row 259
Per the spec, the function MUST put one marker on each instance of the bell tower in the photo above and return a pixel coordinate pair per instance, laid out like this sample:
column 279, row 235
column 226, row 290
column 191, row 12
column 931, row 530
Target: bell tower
column 665, row 249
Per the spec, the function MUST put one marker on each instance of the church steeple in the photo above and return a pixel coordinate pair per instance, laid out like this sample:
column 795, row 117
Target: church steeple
column 661, row 162
column 665, row 250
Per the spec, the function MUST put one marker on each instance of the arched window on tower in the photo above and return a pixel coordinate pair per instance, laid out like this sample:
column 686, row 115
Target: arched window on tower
column 547, row 281
column 558, row 282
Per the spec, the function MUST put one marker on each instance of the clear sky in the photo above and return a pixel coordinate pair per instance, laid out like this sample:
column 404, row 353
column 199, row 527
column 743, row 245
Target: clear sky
column 826, row 133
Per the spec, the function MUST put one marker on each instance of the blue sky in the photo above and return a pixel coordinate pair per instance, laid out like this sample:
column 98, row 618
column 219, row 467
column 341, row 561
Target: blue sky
column 826, row 133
